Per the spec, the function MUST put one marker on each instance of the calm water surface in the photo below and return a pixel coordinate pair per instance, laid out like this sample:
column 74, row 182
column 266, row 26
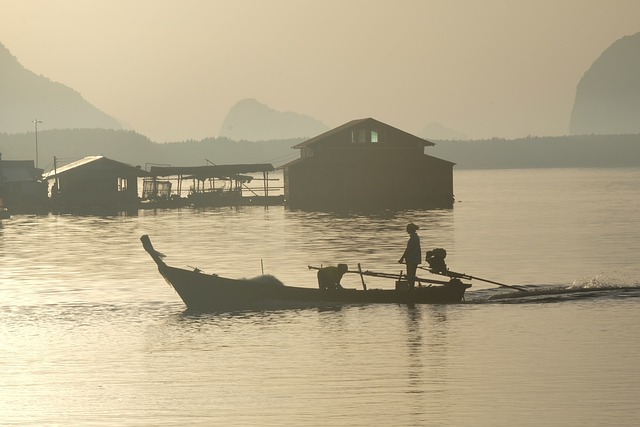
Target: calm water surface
column 90, row 334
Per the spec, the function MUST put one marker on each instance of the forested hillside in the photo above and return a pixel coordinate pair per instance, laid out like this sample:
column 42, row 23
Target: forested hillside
column 135, row 149
column 542, row 152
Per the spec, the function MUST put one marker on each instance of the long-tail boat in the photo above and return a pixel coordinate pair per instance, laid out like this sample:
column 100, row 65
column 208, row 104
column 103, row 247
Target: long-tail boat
column 210, row 292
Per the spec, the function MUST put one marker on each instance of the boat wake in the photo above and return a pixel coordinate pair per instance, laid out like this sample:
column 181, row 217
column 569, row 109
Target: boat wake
column 602, row 286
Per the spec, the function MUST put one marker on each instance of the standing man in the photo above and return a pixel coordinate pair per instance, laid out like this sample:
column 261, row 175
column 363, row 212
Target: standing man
column 412, row 255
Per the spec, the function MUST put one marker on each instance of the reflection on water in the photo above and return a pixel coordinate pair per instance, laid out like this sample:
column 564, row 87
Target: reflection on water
column 91, row 334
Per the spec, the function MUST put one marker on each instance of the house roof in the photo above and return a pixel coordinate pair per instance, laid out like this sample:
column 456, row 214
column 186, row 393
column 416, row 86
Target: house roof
column 93, row 159
column 356, row 123
column 211, row 171
column 19, row 171
column 293, row 162
column 16, row 175
column 23, row 164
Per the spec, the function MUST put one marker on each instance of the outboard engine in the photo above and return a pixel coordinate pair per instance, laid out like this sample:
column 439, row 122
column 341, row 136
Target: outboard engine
column 435, row 259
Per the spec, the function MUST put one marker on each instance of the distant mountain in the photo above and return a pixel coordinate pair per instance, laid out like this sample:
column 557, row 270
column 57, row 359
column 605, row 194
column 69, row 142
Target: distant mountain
column 251, row 120
column 435, row 131
column 25, row 96
column 608, row 95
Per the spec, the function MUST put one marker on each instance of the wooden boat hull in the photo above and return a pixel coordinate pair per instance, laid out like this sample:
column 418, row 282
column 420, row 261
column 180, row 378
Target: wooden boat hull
column 205, row 292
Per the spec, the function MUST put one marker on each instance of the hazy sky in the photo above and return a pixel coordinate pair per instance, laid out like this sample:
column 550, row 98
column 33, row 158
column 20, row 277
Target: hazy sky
column 173, row 69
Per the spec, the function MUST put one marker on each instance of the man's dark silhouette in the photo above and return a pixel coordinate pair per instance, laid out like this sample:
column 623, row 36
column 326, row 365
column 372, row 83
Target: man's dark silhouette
column 412, row 255
column 329, row 277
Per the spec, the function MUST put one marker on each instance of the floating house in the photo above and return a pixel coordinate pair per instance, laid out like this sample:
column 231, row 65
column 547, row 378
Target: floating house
column 210, row 185
column 95, row 182
column 367, row 164
column 22, row 188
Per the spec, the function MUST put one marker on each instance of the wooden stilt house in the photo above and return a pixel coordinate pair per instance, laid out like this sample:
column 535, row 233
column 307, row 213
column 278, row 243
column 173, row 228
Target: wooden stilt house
column 367, row 164
column 22, row 188
column 95, row 182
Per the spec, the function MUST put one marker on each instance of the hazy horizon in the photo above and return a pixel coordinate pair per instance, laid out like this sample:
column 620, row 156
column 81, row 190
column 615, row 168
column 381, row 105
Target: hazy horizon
column 173, row 70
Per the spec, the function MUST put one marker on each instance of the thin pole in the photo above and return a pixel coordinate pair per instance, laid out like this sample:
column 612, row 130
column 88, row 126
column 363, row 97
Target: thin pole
column 497, row 283
column 35, row 122
column 469, row 277
column 265, row 176
column 364, row 285
column 55, row 172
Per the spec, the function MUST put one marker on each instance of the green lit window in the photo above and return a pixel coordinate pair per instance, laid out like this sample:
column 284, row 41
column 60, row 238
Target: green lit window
column 374, row 136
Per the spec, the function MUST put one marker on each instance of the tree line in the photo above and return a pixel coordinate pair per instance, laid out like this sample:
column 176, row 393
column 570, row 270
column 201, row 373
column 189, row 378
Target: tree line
column 136, row 149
